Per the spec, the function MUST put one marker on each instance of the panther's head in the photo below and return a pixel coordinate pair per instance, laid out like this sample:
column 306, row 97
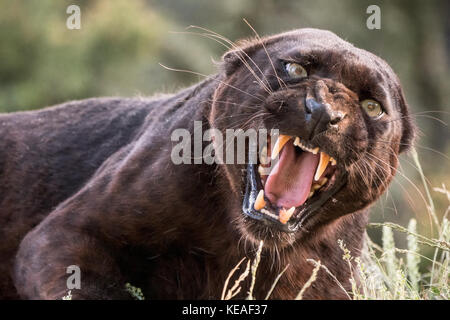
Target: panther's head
column 342, row 121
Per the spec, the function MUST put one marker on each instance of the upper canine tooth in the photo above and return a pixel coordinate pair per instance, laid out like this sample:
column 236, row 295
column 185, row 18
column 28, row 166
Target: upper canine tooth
column 285, row 215
column 260, row 202
column 323, row 163
column 333, row 161
column 323, row 181
column 279, row 144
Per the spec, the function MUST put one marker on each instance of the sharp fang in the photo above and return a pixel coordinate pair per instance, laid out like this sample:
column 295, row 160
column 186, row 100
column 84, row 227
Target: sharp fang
column 281, row 141
column 323, row 163
column 298, row 143
column 315, row 186
column 260, row 202
column 323, row 181
column 333, row 161
column 285, row 215
column 310, row 194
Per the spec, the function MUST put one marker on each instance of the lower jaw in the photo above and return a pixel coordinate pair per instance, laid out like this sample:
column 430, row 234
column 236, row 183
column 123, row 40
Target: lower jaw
column 301, row 214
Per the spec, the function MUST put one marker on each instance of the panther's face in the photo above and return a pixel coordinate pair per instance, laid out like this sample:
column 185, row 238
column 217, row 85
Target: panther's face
column 342, row 122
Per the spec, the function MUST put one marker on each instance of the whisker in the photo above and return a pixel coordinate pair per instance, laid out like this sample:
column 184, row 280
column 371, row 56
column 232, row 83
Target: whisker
column 235, row 46
column 418, row 115
column 267, row 53
column 417, row 145
column 233, row 103
column 432, row 111
column 405, row 177
column 409, row 199
column 263, row 85
column 408, row 162
column 210, row 77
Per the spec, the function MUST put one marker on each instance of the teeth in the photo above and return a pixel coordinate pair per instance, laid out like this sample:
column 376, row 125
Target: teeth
column 285, row 215
column 268, row 213
column 282, row 139
column 323, row 163
column 323, row 181
column 315, row 186
column 298, row 143
column 260, row 202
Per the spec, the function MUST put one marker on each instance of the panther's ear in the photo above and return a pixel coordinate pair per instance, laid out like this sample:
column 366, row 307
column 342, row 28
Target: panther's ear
column 238, row 55
column 408, row 125
column 231, row 61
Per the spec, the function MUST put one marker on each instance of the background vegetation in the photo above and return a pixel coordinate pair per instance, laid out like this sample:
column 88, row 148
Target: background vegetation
column 121, row 43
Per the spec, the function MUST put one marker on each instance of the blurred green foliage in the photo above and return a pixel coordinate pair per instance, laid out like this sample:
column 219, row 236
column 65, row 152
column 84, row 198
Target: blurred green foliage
column 120, row 44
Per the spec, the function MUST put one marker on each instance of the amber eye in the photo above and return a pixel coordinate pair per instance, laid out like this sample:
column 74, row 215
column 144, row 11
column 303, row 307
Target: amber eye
column 372, row 108
column 295, row 70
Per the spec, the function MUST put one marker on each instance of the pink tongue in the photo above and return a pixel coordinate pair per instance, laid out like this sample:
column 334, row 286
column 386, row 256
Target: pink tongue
column 289, row 182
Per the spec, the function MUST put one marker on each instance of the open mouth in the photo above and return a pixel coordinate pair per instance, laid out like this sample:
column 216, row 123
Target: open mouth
column 286, row 192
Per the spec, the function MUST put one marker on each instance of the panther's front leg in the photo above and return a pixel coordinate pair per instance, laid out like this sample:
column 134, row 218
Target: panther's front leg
column 41, row 267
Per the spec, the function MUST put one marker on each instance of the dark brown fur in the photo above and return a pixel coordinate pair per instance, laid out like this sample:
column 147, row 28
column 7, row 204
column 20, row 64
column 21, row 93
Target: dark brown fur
column 90, row 183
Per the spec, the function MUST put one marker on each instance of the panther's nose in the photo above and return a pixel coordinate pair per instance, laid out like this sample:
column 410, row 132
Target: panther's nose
column 320, row 117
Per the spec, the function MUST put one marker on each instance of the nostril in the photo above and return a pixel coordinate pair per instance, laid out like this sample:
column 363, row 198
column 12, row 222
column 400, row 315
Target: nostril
column 336, row 117
column 335, row 120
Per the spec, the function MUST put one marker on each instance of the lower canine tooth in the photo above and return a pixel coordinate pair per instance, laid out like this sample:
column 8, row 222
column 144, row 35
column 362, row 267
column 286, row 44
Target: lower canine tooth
column 279, row 144
column 260, row 202
column 323, row 181
column 323, row 163
column 333, row 161
column 315, row 186
column 285, row 215
column 310, row 194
